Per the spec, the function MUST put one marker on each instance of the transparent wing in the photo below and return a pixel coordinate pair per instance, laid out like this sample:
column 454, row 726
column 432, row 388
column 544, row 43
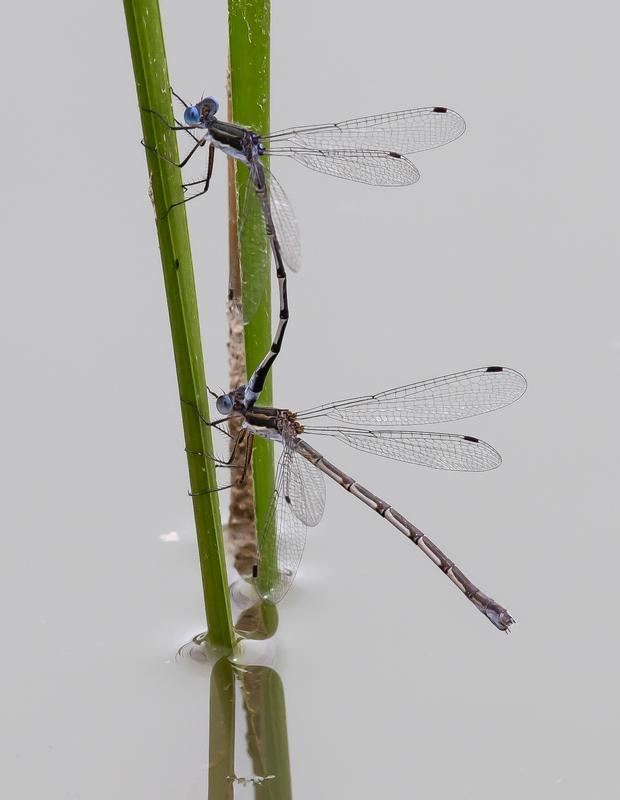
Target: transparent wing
column 281, row 540
column 254, row 242
column 403, row 131
column 305, row 488
column 449, row 451
column 445, row 399
column 285, row 223
column 375, row 167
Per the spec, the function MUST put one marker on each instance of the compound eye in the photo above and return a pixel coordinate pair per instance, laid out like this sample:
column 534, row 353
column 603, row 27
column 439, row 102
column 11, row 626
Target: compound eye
column 191, row 116
column 224, row 404
column 213, row 105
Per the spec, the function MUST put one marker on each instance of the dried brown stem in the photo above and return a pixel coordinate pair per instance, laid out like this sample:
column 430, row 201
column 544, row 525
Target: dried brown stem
column 241, row 529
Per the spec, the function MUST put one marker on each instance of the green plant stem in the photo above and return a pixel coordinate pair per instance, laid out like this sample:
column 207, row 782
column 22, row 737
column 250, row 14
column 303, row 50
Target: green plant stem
column 248, row 31
column 152, row 84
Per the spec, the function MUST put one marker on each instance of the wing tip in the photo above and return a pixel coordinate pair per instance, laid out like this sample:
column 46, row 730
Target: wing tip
column 516, row 374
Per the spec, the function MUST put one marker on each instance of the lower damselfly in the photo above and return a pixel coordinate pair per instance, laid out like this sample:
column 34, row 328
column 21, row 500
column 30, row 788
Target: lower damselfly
column 299, row 497
column 370, row 150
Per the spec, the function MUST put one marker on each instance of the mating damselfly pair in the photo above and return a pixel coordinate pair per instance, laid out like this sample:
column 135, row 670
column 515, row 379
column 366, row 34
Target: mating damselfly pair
column 369, row 150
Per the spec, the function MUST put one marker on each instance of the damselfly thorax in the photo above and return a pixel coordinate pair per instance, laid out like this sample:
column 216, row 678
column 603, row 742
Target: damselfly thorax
column 235, row 141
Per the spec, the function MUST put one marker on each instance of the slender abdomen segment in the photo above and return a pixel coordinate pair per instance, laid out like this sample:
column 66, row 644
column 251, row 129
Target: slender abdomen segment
column 496, row 613
column 257, row 380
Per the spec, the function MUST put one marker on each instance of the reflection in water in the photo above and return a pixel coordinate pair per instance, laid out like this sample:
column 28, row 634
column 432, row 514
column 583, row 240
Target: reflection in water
column 259, row 621
column 255, row 781
column 221, row 731
column 247, row 723
column 265, row 713
column 255, row 619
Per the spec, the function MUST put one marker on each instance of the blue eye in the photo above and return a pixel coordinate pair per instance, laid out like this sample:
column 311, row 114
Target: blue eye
column 191, row 116
column 224, row 404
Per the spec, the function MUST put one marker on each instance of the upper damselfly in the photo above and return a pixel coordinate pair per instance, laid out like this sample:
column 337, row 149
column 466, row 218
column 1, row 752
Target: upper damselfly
column 369, row 149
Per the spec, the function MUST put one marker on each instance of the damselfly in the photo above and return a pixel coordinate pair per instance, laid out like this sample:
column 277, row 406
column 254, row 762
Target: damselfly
column 299, row 497
column 368, row 150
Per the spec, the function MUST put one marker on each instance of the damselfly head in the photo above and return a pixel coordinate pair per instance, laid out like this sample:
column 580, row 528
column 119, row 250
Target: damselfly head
column 202, row 113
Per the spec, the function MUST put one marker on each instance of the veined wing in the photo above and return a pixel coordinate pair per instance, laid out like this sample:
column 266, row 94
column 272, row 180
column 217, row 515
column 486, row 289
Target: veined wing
column 403, row 131
column 305, row 488
column 374, row 167
column 445, row 399
column 449, row 451
column 285, row 223
column 254, row 242
column 281, row 540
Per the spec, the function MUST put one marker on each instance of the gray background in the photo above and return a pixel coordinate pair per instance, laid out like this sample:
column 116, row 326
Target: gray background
column 505, row 252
